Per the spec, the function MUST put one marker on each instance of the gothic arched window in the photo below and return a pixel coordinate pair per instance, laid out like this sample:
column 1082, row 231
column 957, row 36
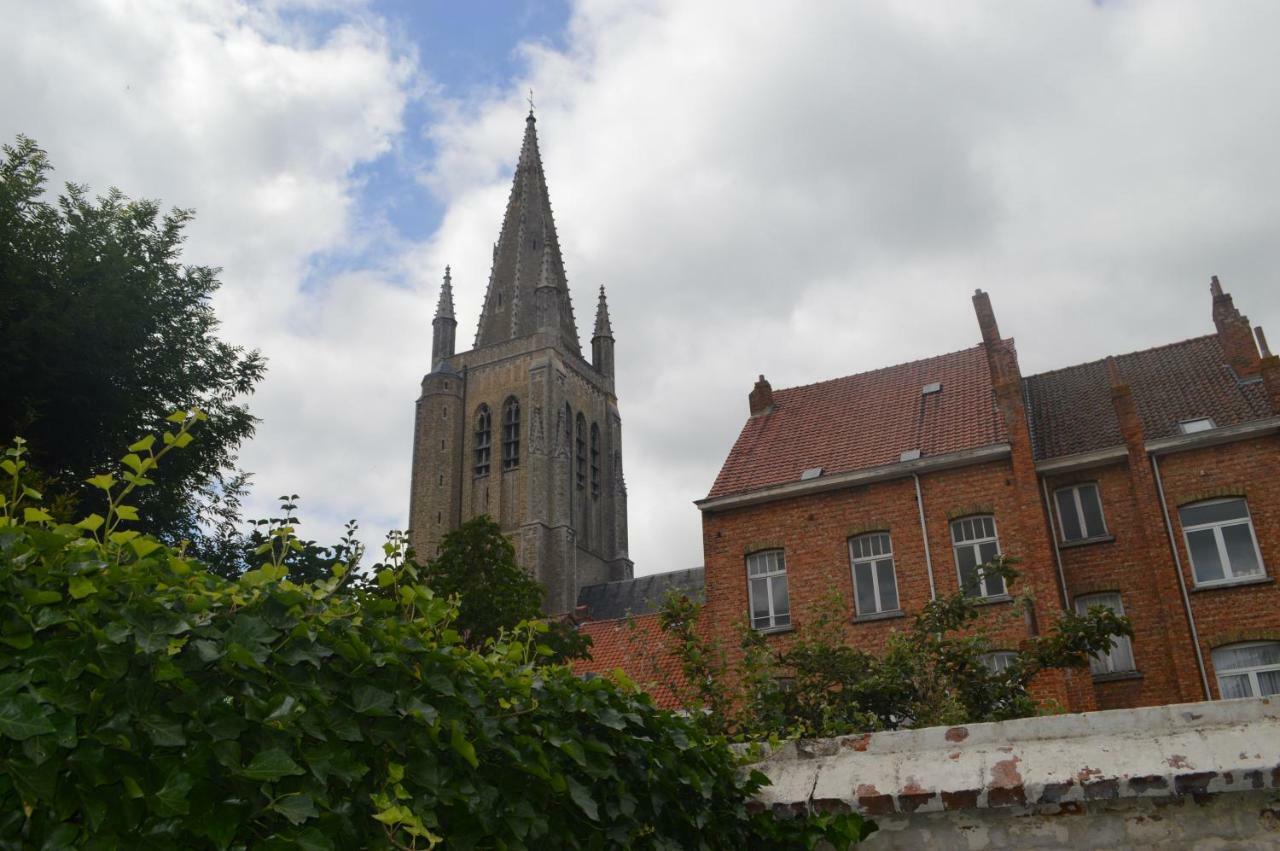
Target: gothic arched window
column 595, row 460
column 483, row 440
column 510, row 434
column 582, row 452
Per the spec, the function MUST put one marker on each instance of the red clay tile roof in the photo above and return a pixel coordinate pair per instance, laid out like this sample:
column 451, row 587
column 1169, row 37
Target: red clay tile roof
column 866, row 420
column 1070, row 410
column 639, row 647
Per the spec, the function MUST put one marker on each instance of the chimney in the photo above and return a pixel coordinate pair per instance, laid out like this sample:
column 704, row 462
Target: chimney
column 1126, row 411
column 761, row 398
column 1269, row 366
column 1234, row 334
column 986, row 317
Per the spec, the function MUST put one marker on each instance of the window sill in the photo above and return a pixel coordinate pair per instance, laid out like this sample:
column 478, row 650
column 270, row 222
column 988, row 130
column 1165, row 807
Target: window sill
column 1233, row 583
column 989, row 601
column 1117, row 676
column 880, row 616
column 1084, row 542
column 774, row 630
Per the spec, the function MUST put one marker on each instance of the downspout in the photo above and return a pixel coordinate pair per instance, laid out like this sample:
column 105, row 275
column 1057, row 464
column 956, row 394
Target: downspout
column 1057, row 554
column 1182, row 582
column 924, row 534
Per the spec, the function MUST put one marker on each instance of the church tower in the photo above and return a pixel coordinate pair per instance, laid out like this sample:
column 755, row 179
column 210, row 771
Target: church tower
column 522, row 427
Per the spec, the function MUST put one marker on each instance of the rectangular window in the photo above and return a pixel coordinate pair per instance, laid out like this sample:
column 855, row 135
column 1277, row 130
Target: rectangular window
column 1120, row 657
column 1248, row 670
column 999, row 661
column 875, row 587
column 1220, row 540
column 975, row 544
column 767, row 588
column 1080, row 513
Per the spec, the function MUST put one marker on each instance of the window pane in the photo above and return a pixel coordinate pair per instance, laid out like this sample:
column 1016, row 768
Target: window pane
column 1204, row 555
column 857, row 547
column 888, row 585
column 1213, row 512
column 759, row 603
column 994, row 585
column 1247, row 656
column 1240, row 554
column 781, row 604
column 1122, row 654
column 1071, row 530
column 988, row 551
column 1092, row 505
column 967, row 561
column 863, row 587
column 988, row 527
column 1269, row 682
column 1237, row 686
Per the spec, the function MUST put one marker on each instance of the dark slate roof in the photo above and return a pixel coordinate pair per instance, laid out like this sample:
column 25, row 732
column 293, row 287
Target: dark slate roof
column 866, row 420
column 639, row 596
column 1070, row 410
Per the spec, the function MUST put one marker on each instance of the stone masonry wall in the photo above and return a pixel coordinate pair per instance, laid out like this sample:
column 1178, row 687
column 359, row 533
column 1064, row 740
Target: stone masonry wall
column 1201, row 775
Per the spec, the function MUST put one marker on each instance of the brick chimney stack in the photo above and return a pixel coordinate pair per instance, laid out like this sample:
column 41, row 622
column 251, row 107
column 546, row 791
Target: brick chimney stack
column 1269, row 366
column 1234, row 334
column 986, row 317
column 761, row 398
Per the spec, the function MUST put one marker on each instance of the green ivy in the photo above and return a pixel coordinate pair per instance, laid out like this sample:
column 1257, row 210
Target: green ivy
column 148, row 703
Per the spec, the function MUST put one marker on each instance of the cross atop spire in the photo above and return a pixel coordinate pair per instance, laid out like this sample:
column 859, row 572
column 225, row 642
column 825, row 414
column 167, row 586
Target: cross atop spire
column 526, row 257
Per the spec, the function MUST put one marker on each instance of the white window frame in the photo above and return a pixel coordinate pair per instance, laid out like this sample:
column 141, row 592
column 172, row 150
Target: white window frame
column 1106, row 663
column 1075, row 498
column 854, row 561
column 777, row 620
column 1253, row 672
column 1229, row 576
column 998, row 661
column 974, row 545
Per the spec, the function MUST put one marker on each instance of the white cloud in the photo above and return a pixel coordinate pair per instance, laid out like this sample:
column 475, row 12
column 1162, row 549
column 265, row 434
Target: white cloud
column 804, row 190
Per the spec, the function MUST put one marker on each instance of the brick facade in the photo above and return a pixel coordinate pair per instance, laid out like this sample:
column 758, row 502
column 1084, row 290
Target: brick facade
column 1116, row 425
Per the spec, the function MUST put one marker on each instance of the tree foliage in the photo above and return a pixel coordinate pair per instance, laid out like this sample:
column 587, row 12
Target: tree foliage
column 146, row 702
column 477, row 564
column 105, row 331
column 821, row 684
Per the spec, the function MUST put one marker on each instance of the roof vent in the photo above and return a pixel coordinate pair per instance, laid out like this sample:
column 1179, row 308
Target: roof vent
column 931, row 387
column 811, row 473
column 909, row 455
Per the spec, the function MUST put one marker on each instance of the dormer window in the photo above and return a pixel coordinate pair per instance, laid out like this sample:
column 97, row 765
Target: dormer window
column 1193, row 426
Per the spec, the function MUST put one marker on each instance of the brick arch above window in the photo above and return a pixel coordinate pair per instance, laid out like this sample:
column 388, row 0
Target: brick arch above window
column 868, row 528
column 963, row 511
column 761, row 546
column 1238, row 636
column 1227, row 492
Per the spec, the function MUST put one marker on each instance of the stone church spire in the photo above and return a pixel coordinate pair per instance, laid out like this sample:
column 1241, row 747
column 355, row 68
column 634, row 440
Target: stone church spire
column 527, row 284
column 602, row 339
column 444, row 326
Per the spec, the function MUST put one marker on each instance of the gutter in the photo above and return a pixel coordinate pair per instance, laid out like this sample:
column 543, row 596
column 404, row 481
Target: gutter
column 924, row 535
column 1053, row 539
column 1182, row 581
column 886, row 472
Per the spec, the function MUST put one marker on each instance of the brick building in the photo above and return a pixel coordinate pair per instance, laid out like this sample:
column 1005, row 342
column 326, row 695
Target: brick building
column 1148, row 482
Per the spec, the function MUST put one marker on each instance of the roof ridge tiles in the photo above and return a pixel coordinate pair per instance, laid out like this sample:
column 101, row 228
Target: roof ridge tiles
column 852, row 375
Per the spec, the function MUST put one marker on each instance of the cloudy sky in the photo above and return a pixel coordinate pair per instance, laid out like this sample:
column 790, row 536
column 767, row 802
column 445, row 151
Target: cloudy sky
column 804, row 190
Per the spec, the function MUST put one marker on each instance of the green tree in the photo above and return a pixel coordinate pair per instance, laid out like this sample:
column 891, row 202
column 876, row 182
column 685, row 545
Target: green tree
column 147, row 703
column 477, row 564
column 103, row 331
column 936, row 672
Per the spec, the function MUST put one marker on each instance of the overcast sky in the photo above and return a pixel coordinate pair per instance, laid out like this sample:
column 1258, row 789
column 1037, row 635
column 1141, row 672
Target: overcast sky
column 804, row 190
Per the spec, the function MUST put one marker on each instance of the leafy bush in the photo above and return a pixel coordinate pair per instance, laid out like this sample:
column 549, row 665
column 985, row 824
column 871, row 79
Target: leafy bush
column 146, row 702
column 936, row 672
